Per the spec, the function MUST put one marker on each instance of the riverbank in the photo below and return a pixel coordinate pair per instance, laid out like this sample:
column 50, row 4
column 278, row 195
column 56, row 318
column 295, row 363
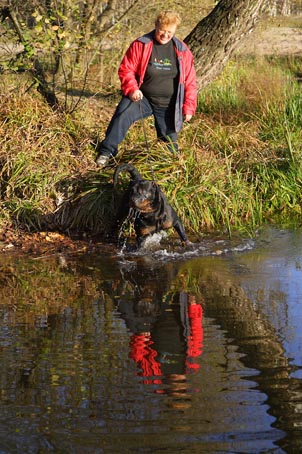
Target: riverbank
column 238, row 166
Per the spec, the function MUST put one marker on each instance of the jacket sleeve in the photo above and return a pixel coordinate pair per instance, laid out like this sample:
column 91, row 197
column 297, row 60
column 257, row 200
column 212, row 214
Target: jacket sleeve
column 190, row 89
column 129, row 68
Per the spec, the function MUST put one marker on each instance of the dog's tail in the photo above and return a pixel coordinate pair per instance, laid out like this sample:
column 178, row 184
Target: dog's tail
column 134, row 173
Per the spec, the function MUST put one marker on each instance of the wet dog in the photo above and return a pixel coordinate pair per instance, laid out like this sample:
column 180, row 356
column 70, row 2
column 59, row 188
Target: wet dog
column 148, row 205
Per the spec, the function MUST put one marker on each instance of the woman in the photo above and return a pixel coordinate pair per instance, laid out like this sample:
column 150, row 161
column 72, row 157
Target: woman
column 157, row 78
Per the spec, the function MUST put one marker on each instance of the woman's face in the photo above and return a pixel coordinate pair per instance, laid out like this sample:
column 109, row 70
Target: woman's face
column 164, row 33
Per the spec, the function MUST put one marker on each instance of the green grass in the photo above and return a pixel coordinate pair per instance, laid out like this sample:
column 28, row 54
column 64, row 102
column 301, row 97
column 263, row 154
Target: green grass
column 239, row 164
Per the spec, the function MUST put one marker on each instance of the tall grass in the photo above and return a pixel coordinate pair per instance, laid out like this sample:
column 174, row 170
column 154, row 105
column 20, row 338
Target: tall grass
column 239, row 163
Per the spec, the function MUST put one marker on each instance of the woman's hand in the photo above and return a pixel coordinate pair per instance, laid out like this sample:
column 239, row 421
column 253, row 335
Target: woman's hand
column 187, row 117
column 136, row 96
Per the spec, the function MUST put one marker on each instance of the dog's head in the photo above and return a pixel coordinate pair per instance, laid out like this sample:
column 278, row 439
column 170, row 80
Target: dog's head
column 144, row 196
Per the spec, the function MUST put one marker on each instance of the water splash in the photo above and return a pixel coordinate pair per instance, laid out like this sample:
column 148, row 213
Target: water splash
column 161, row 247
column 153, row 242
column 121, row 239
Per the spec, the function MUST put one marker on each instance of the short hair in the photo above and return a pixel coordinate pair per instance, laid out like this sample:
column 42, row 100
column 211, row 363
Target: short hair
column 168, row 18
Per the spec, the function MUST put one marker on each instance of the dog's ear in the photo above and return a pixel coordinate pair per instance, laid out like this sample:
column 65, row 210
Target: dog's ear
column 155, row 187
column 156, row 192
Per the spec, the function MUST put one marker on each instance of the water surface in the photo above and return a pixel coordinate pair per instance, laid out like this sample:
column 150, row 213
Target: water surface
column 166, row 351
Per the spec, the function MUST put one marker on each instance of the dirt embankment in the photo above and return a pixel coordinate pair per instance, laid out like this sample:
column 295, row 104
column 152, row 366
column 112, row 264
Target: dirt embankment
column 275, row 40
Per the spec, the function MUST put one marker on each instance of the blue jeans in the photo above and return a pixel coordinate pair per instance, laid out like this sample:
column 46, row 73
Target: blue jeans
column 128, row 112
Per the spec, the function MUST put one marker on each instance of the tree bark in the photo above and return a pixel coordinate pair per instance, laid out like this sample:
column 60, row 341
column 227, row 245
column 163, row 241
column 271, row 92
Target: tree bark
column 215, row 38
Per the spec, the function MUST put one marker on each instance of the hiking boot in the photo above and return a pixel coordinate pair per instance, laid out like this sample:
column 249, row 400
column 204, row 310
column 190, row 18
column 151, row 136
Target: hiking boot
column 102, row 161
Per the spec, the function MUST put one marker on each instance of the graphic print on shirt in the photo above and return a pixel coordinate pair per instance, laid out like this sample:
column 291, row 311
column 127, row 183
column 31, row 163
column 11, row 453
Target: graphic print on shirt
column 160, row 64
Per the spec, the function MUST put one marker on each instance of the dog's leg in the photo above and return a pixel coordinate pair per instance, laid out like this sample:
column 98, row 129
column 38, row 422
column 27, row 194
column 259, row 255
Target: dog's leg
column 181, row 232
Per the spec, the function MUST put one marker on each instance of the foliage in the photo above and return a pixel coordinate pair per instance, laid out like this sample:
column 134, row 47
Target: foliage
column 70, row 47
column 57, row 42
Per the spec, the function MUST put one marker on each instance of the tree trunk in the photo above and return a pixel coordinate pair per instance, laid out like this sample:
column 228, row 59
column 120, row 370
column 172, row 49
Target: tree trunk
column 215, row 38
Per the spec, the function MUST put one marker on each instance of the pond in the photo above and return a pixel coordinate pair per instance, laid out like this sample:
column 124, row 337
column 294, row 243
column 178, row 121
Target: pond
column 167, row 351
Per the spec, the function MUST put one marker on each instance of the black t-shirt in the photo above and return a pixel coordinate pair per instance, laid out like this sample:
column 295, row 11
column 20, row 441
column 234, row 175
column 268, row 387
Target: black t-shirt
column 161, row 78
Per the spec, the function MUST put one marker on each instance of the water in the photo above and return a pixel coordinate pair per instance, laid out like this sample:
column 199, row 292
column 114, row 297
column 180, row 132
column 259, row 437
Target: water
column 195, row 351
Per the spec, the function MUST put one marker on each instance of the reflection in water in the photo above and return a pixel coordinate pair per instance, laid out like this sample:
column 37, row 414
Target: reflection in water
column 123, row 354
column 166, row 332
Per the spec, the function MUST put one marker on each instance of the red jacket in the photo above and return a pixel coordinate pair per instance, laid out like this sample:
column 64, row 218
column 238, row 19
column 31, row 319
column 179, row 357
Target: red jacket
column 134, row 64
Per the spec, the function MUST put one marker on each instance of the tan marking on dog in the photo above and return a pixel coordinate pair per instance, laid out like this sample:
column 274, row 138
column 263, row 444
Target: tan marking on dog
column 168, row 225
column 144, row 207
column 147, row 230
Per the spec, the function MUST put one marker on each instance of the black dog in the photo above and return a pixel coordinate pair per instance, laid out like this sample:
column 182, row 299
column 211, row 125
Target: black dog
column 149, row 207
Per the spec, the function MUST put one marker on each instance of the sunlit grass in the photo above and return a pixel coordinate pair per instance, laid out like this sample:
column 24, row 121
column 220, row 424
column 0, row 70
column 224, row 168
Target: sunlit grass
column 239, row 163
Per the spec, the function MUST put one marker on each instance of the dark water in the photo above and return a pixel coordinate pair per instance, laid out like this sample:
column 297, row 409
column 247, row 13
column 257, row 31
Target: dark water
column 196, row 352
